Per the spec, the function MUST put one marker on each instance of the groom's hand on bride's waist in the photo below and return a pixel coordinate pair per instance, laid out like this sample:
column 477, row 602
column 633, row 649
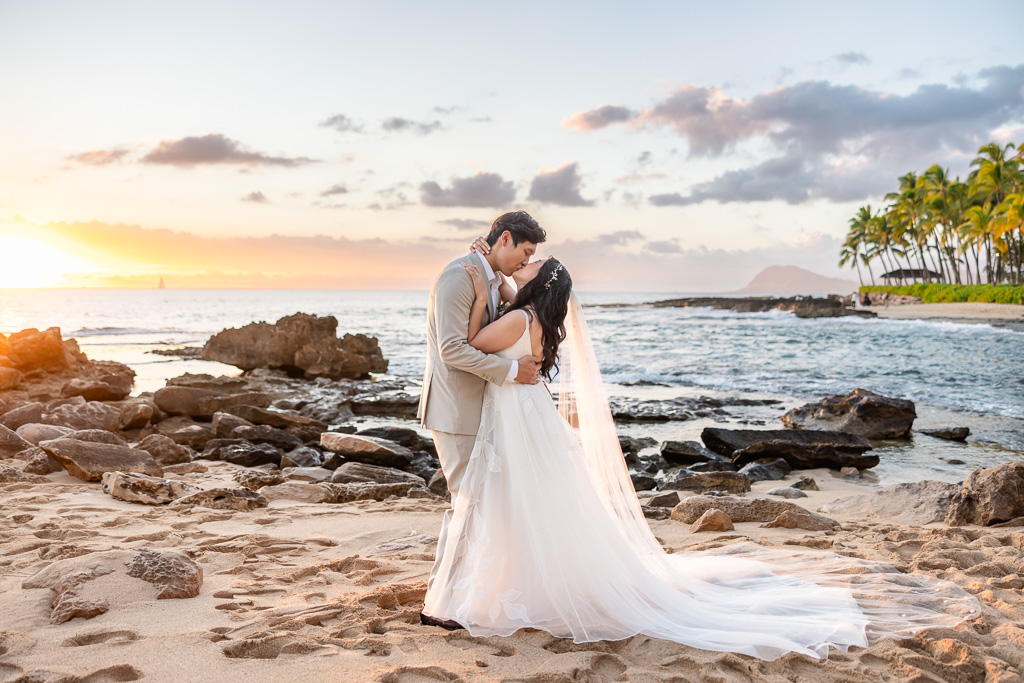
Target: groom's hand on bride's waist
column 529, row 370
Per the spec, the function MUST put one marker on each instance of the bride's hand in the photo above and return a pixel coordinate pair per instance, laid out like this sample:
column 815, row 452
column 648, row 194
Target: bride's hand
column 479, row 284
column 480, row 246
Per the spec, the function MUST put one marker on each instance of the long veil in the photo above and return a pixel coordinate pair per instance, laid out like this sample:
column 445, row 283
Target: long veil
column 892, row 603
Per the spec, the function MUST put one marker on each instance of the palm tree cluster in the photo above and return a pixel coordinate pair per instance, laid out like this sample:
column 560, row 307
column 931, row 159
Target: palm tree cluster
column 946, row 230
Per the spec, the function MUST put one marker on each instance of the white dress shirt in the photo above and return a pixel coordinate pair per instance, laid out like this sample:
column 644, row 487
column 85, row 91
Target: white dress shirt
column 495, row 281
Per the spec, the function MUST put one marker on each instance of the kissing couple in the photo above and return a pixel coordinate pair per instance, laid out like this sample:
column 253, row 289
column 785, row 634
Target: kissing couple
column 545, row 530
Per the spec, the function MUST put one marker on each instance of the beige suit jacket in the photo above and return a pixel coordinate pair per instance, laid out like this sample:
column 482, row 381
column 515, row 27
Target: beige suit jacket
column 453, row 384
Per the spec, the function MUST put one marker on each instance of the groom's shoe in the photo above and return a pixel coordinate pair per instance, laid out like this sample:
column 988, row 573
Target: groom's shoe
column 443, row 623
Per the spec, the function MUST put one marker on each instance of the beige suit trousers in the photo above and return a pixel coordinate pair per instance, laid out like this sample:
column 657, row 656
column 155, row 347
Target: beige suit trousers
column 453, row 450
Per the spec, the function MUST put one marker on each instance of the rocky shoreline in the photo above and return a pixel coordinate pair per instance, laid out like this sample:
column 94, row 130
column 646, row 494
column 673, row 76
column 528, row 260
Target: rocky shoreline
column 283, row 439
column 830, row 306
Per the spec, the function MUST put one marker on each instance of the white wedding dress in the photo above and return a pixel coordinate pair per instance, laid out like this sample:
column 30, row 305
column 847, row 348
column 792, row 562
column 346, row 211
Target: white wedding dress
column 547, row 533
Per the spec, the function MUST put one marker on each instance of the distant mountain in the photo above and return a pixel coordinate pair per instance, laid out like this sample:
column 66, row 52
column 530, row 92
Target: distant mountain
column 793, row 280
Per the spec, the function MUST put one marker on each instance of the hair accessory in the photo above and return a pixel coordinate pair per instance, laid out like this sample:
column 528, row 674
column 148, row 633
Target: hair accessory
column 554, row 276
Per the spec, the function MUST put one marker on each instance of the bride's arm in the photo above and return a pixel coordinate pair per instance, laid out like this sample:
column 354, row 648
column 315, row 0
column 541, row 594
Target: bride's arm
column 501, row 334
column 479, row 309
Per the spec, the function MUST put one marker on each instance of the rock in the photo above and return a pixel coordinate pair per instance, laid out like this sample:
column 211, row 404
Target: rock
column 989, row 495
column 727, row 441
column 251, row 455
column 403, row 436
column 313, row 474
column 713, row 519
column 138, row 488
column 194, row 436
column 66, row 578
column 38, row 461
column 165, row 450
column 11, row 444
column 786, row 492
column 765, row 469
column 739, row 509
column 302, row 456
column 9, row 378
column 367, row 449
column 919, row 502
column 223, row 423
column 830, row 306
column 663, row 500
column 358, row 472
column 801, row 519
column 643, row 482
column 686, row 452
column 702, row 482
column 271, row 418
column 860, row 412
column 628, row 444
column 198, row 402
column 186, row 468
column 948, row 433
column 88, row 415
column 386, row 404
column 348, row 493
column 240, row 499
column 438, row 484
column 9, row 475
column 174, row 574
column 849, row 472
column 300, row 344
column 137, row 413
column 96, row 436
column 653, row 513
column 112, row 386
column 805, row 483
column 423, row 465
column 18, row 417
column 34, row 350
column 268, row 435
column 257, row 479
column 804, row 456
column 88, row 461
column 299, row 490
column 720, row 464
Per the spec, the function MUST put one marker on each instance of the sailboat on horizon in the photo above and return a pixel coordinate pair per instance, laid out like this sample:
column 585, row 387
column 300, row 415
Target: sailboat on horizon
column 161, row 285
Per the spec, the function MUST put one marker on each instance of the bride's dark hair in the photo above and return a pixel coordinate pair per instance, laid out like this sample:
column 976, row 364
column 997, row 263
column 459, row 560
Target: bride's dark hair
column 547, row 295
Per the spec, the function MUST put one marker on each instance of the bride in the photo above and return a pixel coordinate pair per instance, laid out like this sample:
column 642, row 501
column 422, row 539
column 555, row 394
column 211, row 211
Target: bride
column 547, row 531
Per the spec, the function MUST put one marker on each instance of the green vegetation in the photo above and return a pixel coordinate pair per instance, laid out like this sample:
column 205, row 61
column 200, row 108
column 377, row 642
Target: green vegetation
column 939, row 293
column 949, row 231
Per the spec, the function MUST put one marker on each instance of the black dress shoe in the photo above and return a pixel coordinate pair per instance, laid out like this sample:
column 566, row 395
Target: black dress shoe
column 443, row 623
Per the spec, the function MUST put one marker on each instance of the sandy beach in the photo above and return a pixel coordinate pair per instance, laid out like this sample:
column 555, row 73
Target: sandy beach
column 320, row 592
column 952, row 311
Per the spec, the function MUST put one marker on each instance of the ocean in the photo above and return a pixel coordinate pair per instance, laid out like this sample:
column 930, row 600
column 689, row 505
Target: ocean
column 957, row 373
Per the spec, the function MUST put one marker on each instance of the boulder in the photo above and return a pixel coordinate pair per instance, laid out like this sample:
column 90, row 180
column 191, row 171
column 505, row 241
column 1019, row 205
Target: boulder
column 240, row 499
column 305, row 492
column 249, row 454
column 174, row 574
column 271, row 418
column 137, row 413
column 86, row 415
column 300, row 344
column 313, row 474
column 989, row 495
column 9, row 378
column 663, row 500
column 628, row 444
column 302, row 456
column 686, row 452
column 786, row 492
column 727, row 441
column 713, row 519
column 398, row 404
column 702, row 482
column 802, row 519
column 113, row 385
column 11, row 444
column 223, row 423
column 138, row 488
column 403, row 436
column 38, row 461
column 34, row 350
column 358, row 472
column 766, row 469
column 256, row 479
column 799, row 456
column 165, row 450
column 805, row 483
column 199, row 402
column 438, row 484
column 268, row 435
column 95, row 436
column 367, row 449
column 947, row 433
column 739, row 509
column 643, row 482
column 195, row 436
column 18, row 417
column 919, row 502
column 89, row 460
column 860, row 412
column 9, row 474
column 349, row 493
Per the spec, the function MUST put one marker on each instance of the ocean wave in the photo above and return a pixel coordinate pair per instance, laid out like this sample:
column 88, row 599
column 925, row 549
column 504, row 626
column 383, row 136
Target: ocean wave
column 117, row 331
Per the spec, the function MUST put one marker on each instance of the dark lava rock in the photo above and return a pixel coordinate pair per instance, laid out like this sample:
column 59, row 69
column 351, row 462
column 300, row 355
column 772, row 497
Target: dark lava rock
column 860, row 412
column 404, row 436
column 250, row 454
column 949, row 433
column 267, row 435
column 801, row 448
column 686, row 452
column 357, row 472
column 628, row 444
column 302, row 456
column 643, row 482
column 765, row 469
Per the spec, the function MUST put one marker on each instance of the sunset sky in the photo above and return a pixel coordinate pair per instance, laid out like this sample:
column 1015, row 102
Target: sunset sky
column 664, row 146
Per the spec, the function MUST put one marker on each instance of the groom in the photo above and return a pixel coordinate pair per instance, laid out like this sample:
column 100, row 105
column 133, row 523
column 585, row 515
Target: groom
column 453, row 385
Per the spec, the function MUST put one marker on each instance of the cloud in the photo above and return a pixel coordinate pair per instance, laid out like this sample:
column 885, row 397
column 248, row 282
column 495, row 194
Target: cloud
column 851, row 58
column 467, row 224
column 406, row 125
column 560, row 186
column 620, row 237
column 483, row 190
column 342, row 124
column 333, row 190
column 598, row 118
column 256, row 197
column 663, row 247
column 99, row 157
column 214, row 148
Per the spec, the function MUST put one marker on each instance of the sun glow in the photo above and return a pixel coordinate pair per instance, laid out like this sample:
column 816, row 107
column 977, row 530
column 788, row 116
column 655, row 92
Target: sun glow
column 31, row 262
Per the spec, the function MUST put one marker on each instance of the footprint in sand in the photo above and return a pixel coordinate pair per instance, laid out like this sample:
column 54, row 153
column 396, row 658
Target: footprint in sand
column 110, row 637
column 418, row 674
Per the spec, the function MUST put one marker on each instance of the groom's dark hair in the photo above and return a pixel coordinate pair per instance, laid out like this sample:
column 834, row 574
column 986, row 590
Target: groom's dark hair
column 520, row 225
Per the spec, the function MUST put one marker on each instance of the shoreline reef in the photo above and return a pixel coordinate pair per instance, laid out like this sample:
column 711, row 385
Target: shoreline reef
column 249, row 524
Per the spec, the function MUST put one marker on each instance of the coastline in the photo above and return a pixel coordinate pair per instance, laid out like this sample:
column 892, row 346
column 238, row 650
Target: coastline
column 960, row 311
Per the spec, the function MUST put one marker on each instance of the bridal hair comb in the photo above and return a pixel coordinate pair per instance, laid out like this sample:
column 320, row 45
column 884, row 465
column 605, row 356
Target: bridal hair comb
column 554, row 276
